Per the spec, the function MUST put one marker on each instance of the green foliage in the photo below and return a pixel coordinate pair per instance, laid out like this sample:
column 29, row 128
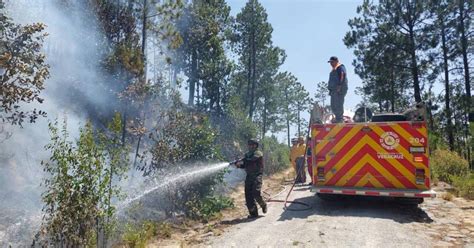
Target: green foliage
column 389, row 40
column 182, row 139
column 202, row 58
column 80, row 183
column 403, row 48
column 436, row 141
column 136, row 236
column 24, row 69
column 259, row 61
column 234, row 129
column 464, row 185
column 209, row 207
column 185, row 137
column 276, row 155
column 293, row 100
column 446, row 164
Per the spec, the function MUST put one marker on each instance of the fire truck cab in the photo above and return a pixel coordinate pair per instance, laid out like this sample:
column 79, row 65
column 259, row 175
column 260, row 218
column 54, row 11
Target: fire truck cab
column 386, row 155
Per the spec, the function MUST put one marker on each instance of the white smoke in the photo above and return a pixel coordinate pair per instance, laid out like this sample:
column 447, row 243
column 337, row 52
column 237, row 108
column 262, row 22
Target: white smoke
column 74, row 51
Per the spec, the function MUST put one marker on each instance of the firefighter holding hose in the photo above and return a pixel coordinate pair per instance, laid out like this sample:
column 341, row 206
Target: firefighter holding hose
column 253, row 165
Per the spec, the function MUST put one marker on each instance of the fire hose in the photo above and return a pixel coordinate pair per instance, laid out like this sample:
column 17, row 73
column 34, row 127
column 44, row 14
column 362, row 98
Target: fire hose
column 285, row 206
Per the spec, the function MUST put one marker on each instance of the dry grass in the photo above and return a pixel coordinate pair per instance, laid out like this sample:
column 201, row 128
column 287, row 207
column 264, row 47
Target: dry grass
column 447, row 196
column 192, row 233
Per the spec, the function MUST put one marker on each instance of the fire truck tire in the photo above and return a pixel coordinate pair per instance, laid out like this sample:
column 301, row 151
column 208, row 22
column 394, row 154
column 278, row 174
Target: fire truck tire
column 329, row 197
column 410, row 201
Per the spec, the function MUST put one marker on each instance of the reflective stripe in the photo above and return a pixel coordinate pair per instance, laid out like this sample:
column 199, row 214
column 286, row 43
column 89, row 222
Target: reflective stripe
column 423, row 194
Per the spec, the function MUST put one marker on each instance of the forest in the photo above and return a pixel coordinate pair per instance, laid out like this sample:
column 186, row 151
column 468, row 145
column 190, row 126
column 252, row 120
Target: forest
column 139, row 87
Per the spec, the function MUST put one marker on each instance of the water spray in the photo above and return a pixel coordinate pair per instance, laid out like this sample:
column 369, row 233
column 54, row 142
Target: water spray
column 187, row 176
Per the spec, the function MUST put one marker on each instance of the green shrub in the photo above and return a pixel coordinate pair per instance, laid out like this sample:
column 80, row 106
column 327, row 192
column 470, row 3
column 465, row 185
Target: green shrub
column 446, row 164
column 436, row 141
column 81, row 182
column 209, row 207
column 276, row 155
column 464, row 185
column 136, row 236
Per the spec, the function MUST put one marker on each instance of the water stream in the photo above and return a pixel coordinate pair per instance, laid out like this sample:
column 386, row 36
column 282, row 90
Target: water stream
column 182, row 178
column 18, row 231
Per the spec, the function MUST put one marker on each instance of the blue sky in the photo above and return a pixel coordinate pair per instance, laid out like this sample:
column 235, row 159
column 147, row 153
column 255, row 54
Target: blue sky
column 310, row 31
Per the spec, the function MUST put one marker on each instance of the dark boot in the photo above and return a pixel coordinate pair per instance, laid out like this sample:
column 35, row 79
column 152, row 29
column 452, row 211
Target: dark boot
column 264, row 208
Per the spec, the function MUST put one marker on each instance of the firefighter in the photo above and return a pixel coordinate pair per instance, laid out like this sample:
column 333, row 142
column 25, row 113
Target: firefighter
column 337, row 86
column 253, row 165
column 300, row 151
column 294, row 145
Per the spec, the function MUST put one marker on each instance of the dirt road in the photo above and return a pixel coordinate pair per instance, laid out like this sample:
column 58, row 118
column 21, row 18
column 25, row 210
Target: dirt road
column 352, row 223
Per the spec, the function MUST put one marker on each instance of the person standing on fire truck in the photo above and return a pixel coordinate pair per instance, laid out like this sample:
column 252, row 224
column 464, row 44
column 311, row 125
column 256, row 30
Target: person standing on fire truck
column 337, row 86
column 253, row 165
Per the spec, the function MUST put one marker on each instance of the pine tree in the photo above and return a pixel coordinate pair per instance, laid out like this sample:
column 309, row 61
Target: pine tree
column 391, row 35
column 252, row 40
column 202, row 57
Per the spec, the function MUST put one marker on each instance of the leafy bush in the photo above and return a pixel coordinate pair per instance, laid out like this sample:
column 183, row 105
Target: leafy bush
column 276, row 155
column 184, row 137
column 187, row 197
column 446, row 164
column 235, row 128
column 464, row 185
column 25, row 69
column 436, row 141
column 209, row 207
column 80, row 184
column 136, row 236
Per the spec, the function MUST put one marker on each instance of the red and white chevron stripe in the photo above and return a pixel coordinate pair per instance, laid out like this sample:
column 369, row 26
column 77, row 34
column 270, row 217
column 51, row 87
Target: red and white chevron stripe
column 375, row 192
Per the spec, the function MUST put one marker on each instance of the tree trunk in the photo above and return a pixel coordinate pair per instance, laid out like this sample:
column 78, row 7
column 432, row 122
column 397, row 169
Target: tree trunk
column 299, row 121
column 218, row 100
column 287, row 103
column 447, row 87
column 144, row 36
column 464, row 51
column 467, row 82
column 192, row 80
column 264, row 117
column 254, row 76
column 392, row 92
column 124, row 126
column 249, row 75
column 288, row 128
column 414, row 66
column 198, row 97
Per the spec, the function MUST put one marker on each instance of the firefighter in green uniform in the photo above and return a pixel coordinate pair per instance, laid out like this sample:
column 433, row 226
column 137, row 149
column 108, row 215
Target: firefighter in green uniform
column 253, row 165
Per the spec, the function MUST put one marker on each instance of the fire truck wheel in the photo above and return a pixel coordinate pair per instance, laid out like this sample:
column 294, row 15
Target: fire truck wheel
column 329, row 197
column 410, row 201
